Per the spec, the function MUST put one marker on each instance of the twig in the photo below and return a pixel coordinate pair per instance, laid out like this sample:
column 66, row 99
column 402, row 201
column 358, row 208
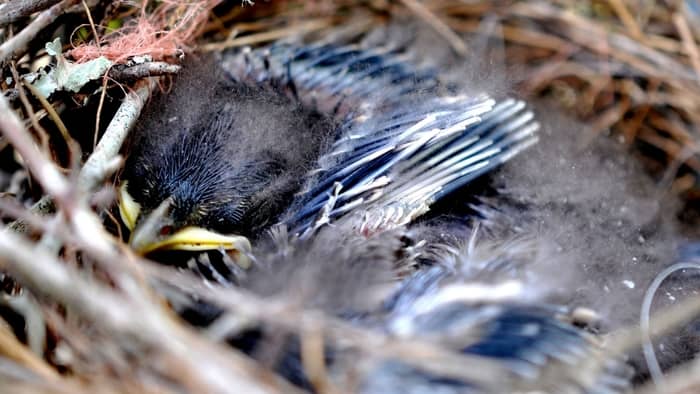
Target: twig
column 35, row 327
column 682, row 380
column 136, row 320
column 598, row 40
column 13, row 11
column 11, row 348
column 515, row 34
column 42, row 207
column 97, row 165
column 85, row 224
column 608, row 118
column 149, row 69
column 127, row 74
column 92, row 23
column 280, row 313
column 45, row 171
column 43, row 136
column 440, row 27
column 314, row 362
column 101, row 161
column 627, row 19
column 72, row 146
column 18, row 44
column 98, row 114
column 83, row 221
column 689, row 45
column 269, row 35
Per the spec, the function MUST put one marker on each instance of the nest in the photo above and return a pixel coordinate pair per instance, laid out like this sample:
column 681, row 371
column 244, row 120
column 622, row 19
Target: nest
column 93, row 318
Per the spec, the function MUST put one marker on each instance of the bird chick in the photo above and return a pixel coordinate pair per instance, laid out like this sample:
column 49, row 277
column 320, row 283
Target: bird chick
column 491, row 332
column 212, row 158
column 392, row 142
column 304, row 135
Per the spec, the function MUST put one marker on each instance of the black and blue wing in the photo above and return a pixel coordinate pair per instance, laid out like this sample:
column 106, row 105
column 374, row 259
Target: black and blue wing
column 402, row 143
column 537, row 342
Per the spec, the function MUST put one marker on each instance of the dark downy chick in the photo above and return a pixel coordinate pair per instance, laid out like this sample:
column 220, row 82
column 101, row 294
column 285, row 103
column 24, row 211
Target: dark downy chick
column 471, row 299
column 476, row 300
column 337, row 272
column 400, row 143
column 218, row 155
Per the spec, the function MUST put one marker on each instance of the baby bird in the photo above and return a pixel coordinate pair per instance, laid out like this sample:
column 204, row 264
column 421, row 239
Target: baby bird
column 472, row 303
column 339, row 149
column 302, row 135
column 226, row 161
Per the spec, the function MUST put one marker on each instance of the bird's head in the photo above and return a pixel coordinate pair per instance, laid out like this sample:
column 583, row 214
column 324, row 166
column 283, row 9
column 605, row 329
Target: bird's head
column 184, row 198
column 169, row 226
column 191, row 190
column 214, row 172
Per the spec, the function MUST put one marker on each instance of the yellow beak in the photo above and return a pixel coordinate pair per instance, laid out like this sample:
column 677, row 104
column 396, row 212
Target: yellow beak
column 146, row 237
column 199, row 239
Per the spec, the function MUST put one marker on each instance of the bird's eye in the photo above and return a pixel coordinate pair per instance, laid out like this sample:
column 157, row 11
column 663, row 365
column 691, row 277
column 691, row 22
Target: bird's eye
column 166, row 230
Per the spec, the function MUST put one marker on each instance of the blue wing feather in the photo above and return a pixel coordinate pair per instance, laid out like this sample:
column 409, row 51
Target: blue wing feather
column 401, row 146
column 527, row 338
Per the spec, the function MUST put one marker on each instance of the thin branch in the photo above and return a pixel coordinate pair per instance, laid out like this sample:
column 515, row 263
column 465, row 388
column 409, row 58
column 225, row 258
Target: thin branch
column 11, row 348
column 98, row 115
column 92, row 23
column 42, row 207
column 269, row 35
column 101, row 162
column 440, row 27
column 56, row 118
column 95, row 169
column 627, row 19
column 43, row 135
column 149, row 69
column 279, row 313
column 138, row 321
column 689, row 44
column 45, row 171
column 17, row 45
column 13, row 11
